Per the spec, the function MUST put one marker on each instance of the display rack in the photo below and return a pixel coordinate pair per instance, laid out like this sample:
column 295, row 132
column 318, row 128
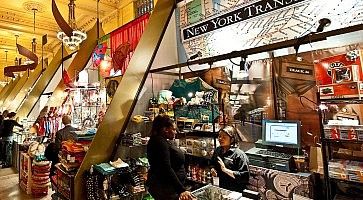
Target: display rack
column 199, row 137
column 85, row 103
column 25, row 172
column 340, row 167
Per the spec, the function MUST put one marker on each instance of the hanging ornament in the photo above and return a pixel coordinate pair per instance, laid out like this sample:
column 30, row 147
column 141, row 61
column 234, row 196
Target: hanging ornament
column 120, row 55
column 105, row 67
column 99, row 54
column 67, row 79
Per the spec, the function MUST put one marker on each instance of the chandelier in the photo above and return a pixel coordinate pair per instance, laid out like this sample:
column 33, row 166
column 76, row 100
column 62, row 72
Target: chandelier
column 77, row 37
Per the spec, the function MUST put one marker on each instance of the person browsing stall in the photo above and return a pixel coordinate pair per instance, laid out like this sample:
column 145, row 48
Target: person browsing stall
column 167, row 172
column 231, row 163
column 7, row 127
column 66, row 133
column 2, row 142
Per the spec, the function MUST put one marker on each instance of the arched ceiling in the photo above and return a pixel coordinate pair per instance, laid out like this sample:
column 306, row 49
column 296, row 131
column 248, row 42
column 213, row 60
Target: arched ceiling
column 16, row 18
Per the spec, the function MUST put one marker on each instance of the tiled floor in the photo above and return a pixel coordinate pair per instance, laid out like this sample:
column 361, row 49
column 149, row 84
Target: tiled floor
column 9, row 187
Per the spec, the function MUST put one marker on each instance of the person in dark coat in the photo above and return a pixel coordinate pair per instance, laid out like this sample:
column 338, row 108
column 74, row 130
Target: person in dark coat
column 230, row 162
column 167, row 172
column 7, row 127
column 3, row 116
column 2, row 142
column 64, row 134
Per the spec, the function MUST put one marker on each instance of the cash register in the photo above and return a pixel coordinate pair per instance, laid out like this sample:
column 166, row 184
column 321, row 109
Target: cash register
column 280, row 141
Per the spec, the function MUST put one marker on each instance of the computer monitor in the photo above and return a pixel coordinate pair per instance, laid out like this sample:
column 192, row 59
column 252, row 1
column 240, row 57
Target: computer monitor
column 281, row 133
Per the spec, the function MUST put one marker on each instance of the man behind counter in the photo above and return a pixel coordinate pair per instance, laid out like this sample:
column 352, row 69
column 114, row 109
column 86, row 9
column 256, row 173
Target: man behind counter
column 231, row 163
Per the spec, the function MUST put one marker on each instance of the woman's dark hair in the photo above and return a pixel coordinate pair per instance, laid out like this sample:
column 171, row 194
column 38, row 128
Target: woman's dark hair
column 160, row 122
column 5, row 113
column 231, row 132
column 11, row 115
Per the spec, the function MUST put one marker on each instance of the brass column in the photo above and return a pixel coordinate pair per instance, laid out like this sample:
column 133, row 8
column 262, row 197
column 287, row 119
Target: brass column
column 14, row 91
column 33, row 77
column 3, row 91
column 124, row 100
column 8, row 88
column 39, row 87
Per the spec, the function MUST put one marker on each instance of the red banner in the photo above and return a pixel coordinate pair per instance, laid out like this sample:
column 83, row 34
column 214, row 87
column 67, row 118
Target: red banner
column 124, row 41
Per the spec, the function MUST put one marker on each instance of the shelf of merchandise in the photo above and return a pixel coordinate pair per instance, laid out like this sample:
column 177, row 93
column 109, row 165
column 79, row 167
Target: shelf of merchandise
column 328, row 143
column 341, row 101
column 64, row 183
column 328, row 140
column 192, row 133
column 346, row 181
column 87, row 107
column 25, row 172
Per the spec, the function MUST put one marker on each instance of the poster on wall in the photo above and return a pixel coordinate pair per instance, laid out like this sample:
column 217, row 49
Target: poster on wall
column 111, row 84
column 215, row 27
column 340, row 76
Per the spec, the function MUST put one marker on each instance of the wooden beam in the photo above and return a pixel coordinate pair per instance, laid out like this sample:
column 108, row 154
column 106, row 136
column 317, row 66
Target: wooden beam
column 266, row 48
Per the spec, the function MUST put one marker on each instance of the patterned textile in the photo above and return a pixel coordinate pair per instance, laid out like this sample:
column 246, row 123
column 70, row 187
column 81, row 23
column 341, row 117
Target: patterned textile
column 273, row 184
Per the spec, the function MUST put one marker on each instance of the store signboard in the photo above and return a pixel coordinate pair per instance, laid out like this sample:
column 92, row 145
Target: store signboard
column 266, row 25
column 238, row 15
column 298, row 70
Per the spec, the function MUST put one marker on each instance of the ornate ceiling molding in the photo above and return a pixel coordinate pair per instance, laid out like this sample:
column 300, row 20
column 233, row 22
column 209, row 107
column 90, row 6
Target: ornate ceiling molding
column 89, row 8
column 6, row 40
column 88, row 23
column 110, row 17
column 30, row 5
column 16, row 17
column 12, row 16
column 112, row 3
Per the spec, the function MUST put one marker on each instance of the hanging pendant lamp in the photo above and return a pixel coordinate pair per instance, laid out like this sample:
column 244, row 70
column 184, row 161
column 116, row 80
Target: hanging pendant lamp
column 70, row 35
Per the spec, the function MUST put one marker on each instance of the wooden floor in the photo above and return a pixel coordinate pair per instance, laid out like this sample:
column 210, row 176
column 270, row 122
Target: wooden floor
column 9, row 187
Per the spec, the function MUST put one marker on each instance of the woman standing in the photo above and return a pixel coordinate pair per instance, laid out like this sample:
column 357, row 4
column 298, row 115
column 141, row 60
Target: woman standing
column 167, row 173
column 231, row 162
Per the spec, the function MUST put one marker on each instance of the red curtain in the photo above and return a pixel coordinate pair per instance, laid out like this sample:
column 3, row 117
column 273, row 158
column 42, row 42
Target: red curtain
column 129, row 33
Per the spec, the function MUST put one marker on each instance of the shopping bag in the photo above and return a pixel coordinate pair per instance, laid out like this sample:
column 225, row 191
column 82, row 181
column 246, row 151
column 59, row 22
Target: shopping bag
column 316, row 157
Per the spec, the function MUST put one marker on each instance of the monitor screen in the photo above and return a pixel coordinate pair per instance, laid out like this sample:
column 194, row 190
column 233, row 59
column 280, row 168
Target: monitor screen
column 281, row 132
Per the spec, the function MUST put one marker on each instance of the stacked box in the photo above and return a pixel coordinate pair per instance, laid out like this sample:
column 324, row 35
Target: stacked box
column 355, row 171
column 346, row 170
column 337, row 169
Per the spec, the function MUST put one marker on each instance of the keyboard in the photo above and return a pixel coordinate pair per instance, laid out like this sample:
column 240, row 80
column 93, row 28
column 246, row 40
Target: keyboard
column 274, row 154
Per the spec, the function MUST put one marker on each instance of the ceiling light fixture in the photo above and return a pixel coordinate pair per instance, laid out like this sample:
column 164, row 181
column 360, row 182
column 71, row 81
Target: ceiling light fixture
column 77, row 37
